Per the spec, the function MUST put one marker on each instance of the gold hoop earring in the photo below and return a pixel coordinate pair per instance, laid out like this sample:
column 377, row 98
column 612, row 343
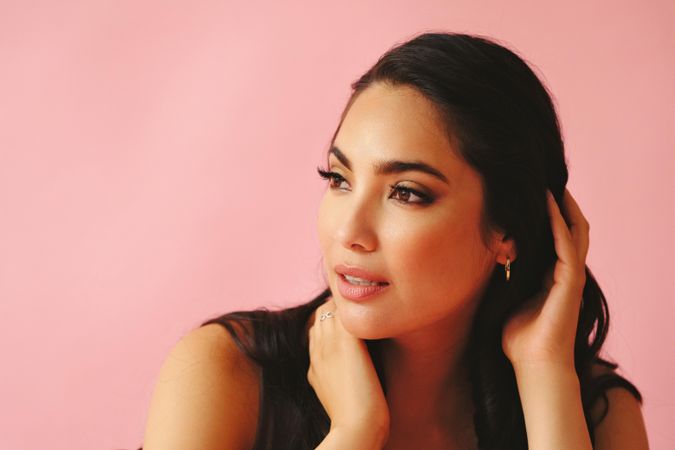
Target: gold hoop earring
column 507, row 268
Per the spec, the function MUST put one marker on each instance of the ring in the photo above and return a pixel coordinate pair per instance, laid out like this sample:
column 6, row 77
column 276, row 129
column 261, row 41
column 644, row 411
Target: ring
column 326, row 315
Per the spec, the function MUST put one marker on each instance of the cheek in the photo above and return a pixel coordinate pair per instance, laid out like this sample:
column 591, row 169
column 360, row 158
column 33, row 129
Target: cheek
column 326, row 226
column 322, row 222
column 445, row 259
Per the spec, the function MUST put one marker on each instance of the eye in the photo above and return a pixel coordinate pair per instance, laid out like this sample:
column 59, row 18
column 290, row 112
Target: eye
column 332, row 177
column 405, row 193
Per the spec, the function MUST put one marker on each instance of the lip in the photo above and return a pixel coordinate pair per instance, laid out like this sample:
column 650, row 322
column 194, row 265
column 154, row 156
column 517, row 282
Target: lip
column 359, row 272
column 356, row 292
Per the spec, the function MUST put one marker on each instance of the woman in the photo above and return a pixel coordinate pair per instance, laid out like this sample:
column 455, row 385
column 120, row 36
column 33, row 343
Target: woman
column 458, row 312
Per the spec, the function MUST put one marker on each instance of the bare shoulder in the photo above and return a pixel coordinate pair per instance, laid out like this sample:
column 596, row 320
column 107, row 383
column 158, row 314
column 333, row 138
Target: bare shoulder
column 206, row 395
column 623, row 427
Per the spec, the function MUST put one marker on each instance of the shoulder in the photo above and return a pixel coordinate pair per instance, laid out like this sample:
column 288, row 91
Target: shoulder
column 206, row 395
column 623, row 426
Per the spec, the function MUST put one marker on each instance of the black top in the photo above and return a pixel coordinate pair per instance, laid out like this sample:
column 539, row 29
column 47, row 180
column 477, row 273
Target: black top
column 290, row 414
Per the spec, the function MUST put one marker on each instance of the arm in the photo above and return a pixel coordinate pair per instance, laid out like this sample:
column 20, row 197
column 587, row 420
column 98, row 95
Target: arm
column 348, row 439
column 539, row 340
column 554, row 416
column 205, row 397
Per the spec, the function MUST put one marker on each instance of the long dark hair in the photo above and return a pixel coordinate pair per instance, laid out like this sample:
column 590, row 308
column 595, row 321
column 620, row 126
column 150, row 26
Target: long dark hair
column 505, row 126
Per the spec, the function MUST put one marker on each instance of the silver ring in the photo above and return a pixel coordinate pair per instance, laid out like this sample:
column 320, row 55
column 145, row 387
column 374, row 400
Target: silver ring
column 326, row 315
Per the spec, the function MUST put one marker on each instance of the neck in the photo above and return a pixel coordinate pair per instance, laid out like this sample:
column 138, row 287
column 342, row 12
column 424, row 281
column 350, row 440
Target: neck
column 427, row 378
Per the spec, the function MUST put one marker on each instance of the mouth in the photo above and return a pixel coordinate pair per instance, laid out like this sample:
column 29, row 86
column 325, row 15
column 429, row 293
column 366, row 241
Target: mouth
column 359, row 276
column 359, row 289
column 356, row 281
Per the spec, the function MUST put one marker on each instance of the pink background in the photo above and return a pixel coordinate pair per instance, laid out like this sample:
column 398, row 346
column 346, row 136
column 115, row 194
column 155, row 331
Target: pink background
column 157, row 167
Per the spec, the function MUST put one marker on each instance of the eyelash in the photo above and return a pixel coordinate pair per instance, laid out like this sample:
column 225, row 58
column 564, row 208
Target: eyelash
column 334, row 176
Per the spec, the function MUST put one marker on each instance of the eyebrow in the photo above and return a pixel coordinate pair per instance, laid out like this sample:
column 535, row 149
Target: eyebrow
column 392, row 165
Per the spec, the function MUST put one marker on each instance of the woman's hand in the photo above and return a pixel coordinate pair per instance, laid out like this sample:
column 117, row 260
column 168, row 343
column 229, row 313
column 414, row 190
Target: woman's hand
column 543, row 332
column 344, row 378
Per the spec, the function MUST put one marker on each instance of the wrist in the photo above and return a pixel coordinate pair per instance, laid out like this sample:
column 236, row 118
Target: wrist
column 557, row 368
column 347, row 438
column 366, row 436
column 550, row 394
column 541, row 379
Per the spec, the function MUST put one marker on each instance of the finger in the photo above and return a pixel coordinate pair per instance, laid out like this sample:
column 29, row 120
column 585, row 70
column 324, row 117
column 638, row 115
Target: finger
column 579, row 226
column 324, row 308
column 328, row 324
column 566, row 272
column 562, row 238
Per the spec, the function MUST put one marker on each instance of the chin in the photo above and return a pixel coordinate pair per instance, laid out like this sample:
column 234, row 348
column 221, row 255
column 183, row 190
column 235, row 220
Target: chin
column 364, row 324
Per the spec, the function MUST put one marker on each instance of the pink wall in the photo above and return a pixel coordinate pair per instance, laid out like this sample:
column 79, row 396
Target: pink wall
column 157, row 168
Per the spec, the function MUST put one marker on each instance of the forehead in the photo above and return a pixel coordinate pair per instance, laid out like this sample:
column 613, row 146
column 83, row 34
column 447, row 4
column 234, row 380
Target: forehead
column 386, row 122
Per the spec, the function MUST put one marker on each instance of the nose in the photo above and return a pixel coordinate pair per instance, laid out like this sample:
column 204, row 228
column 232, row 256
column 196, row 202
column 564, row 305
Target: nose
column 356, row 229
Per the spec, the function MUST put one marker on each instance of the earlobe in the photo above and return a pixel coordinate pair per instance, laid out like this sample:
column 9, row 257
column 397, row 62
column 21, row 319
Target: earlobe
column 504, row 259
column 504, row 246
column 507, row 250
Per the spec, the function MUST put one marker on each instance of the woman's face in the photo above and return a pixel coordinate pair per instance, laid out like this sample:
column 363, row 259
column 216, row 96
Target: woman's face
column 427, row 247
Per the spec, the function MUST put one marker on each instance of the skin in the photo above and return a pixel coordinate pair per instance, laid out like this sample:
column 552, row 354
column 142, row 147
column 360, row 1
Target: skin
column 432, row 255
column 438, row 266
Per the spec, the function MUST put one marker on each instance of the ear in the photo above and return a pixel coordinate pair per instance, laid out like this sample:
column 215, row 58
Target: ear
column 504, row 246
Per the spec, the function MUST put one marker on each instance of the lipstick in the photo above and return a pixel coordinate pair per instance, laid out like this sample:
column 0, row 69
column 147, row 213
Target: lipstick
column 359, row 292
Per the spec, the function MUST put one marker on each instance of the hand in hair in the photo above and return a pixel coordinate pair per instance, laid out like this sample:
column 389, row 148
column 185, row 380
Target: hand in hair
column 344, row 378
column 543, row 332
